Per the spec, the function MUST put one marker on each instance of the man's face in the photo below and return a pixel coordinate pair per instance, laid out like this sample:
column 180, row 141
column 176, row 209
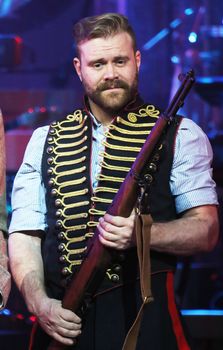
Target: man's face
column 108, row 68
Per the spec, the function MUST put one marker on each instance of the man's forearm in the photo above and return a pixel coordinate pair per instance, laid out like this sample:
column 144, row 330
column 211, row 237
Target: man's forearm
column 27, row 268
column 195, row 232
column 33, row 291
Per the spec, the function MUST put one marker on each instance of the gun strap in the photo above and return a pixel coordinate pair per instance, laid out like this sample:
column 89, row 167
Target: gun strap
column 142, row 231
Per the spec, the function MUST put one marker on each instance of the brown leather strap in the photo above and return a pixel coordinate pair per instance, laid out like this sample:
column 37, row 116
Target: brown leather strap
column 142, row 230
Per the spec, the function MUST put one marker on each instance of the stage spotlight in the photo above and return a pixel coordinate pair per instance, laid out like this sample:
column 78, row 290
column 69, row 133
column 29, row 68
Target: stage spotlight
column 192, row 37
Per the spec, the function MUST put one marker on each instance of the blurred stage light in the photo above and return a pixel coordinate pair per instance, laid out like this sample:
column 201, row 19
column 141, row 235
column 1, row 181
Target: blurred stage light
column 192, row 37
column 166, row 31
column 175, row 59
column 188, row 11
column 9, row 6
column 201, row 312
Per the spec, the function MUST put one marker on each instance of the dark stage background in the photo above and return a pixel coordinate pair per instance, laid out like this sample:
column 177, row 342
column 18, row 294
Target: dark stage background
column 38, row 84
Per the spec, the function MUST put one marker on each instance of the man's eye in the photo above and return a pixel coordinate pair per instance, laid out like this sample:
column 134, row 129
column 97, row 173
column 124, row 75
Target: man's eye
column 120, row 62
column 97, row 65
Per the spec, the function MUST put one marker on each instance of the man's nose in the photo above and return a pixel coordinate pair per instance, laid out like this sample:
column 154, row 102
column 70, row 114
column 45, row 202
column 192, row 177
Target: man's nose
column 110, row 72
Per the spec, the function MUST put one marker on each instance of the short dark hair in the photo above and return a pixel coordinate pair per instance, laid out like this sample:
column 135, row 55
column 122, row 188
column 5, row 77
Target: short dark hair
column 102, row 26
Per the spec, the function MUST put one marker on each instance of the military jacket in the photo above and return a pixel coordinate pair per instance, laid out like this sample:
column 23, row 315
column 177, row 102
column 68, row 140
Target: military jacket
column 74, row 208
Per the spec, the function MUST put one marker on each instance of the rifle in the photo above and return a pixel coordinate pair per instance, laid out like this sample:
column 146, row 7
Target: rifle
column 85, row 282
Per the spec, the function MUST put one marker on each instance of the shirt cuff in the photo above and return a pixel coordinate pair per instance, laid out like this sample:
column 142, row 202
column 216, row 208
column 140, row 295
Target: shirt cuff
column 194, row 199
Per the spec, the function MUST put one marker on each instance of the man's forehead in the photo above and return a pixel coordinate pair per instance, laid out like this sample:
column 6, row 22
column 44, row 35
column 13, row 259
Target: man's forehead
column 117, row 42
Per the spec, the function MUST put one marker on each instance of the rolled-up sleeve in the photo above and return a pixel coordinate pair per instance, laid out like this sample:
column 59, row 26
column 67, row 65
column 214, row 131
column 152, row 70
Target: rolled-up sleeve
column 28, row 194
column 191, row 179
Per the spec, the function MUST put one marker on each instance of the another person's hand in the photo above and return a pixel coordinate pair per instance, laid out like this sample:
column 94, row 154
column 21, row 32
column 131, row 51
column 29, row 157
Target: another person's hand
column 116, row 231
column 61, row 324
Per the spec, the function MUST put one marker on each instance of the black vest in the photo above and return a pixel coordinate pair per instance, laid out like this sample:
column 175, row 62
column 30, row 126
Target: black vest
column 73, row 208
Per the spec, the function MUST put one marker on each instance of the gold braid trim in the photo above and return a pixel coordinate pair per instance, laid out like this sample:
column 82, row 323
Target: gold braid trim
column 75, row 228
column 123, row 148
column 69, row 183
column 75, row 263
column 109, row 178
column 69, row 172
column 76, row 251
column 71, row 252
column 58, row 127
column 62, row 201
column 123, row 139
column 101, row 200
column 76, row 116
column 109, row 156
column 66, row 154
column 72, row 263
column 89, row 234
column 74, row 239
column 74, row 217
column 106, row 189
column 72, row 194
column 95, row 212
column 150, row 111
column 67, row 162
column 103, row 164
column 73, row 135
column 110, row 274
column 68, row 145
column 129, row 132
column 79, row 150
column 73, row 205
column 142, row 125
column 92, row 224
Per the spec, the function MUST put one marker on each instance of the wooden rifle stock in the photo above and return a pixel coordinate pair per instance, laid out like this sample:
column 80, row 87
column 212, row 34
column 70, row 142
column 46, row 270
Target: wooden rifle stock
column 91, row 273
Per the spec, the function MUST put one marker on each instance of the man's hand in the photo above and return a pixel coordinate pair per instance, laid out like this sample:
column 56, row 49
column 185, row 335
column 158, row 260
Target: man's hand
column 27, row 267
column 61, row 324
column 116, row 232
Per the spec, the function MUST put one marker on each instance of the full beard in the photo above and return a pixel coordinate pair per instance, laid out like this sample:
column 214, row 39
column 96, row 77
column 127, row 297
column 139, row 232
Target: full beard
column 112, row 101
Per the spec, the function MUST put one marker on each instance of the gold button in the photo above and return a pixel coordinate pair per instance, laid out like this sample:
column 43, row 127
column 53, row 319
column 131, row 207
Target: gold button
column 115, row 278
column 50, row 160
column 117, row 268
column 65, row 271
column 53, row 192
column 49, row 150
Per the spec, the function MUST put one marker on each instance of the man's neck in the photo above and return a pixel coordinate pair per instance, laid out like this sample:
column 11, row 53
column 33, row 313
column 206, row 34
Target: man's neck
column 100, row 114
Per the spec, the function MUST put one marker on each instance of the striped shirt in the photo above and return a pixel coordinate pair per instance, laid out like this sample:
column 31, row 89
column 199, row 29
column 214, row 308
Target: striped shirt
column 191, row 180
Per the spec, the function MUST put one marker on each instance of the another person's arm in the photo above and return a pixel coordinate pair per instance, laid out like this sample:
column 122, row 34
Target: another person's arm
column 5, row 278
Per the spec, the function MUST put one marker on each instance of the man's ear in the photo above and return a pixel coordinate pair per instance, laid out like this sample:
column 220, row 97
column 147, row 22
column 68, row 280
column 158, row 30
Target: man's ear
column 77, row 66
column 138, row 58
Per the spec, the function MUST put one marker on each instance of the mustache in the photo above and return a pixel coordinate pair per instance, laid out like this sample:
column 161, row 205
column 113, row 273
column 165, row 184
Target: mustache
column 112, row 84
